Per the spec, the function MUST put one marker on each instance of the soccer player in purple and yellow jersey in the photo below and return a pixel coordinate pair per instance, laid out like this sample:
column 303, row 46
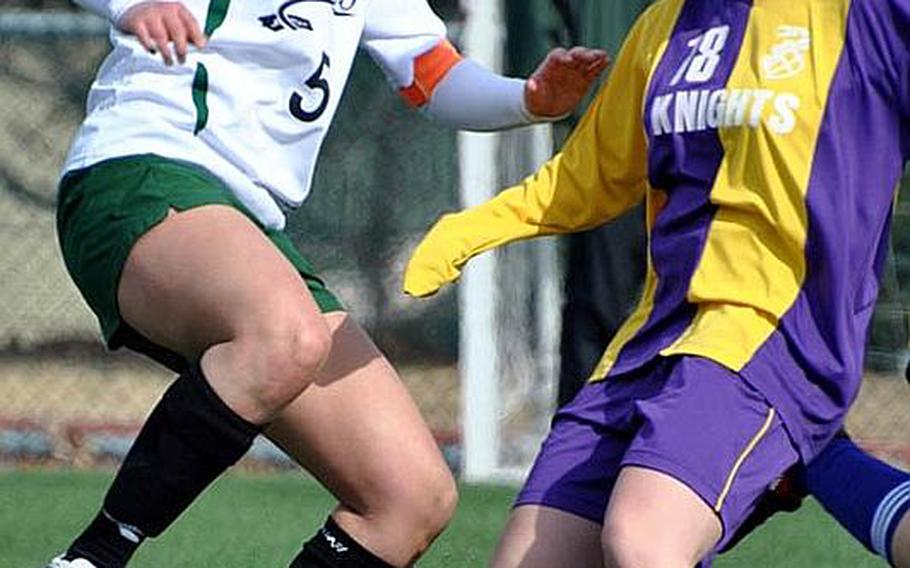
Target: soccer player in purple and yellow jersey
column 766, row 138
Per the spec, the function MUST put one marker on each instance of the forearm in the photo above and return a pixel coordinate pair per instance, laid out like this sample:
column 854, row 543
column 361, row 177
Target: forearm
column 544, row 204
column 470, row 97
column 553, row 201
column 462, row 94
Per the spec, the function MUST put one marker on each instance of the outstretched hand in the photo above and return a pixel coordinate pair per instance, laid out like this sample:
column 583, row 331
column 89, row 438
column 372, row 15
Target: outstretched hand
column 563, row 78
column 157, row 25
column 438, row 258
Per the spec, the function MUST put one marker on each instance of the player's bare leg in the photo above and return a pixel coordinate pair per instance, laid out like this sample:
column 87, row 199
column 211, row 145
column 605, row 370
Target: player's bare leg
column 542, row 537
column 207, row 284
column 654, row 520
column 357, row 429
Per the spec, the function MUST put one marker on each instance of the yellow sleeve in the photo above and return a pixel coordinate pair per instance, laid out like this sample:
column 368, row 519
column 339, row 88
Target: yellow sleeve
column 600, row 173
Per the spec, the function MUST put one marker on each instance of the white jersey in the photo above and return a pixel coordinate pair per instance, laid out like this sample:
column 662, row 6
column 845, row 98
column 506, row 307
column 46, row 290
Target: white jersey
column 254, row 106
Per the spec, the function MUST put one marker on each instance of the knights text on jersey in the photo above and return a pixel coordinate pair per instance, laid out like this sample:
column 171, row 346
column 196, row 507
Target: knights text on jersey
column 254, row 105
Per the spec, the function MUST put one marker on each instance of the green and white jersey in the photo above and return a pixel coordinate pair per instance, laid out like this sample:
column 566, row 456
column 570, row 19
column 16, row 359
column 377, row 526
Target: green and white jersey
column 254, row 106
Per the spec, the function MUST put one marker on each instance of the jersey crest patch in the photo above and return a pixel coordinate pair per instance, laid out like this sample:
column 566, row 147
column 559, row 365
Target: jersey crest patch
column 788, row 56
column 292, row 14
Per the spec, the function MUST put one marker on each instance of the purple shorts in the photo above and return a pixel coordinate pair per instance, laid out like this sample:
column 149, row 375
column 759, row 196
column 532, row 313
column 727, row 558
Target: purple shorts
column 687, row 417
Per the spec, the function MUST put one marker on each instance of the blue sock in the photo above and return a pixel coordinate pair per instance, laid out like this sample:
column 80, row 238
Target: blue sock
column 868, row 497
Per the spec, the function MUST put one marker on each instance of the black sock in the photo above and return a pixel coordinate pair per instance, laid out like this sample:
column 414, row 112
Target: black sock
column 190, row 438
column 106, row 543
column 331, row 547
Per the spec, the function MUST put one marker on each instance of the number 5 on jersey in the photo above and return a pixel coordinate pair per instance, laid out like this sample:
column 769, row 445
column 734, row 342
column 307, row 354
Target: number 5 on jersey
column 701, row 63
column 317, row 83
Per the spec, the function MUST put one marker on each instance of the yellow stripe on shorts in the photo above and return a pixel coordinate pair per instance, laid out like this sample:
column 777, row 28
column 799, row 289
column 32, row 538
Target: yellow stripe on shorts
column 742, row 458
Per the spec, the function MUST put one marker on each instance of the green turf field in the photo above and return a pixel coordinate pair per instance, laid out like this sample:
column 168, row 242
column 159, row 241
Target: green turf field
column 260, row 520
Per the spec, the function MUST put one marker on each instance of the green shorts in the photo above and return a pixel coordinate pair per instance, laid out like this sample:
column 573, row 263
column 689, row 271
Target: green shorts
column 103, row 210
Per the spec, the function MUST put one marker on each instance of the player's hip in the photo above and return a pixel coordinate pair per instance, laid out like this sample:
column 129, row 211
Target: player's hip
column 267, row 162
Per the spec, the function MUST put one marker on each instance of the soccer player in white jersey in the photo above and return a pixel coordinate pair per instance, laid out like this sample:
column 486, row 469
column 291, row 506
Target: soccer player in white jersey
column 170, row 219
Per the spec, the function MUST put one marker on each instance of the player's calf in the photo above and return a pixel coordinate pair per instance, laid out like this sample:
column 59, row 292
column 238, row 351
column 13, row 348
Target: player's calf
column 420, row 505
column 421, row 511
column 190, row 438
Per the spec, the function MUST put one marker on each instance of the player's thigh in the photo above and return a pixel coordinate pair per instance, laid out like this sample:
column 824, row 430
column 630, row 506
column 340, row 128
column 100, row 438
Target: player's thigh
column 357, row 429
column 207, row 275
column 559, row 510
column 711, row 440
column 542, row 537
column 653, row 508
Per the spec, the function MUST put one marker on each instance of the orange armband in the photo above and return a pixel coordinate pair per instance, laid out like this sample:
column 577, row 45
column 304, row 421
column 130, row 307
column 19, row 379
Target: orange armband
column 429, row 69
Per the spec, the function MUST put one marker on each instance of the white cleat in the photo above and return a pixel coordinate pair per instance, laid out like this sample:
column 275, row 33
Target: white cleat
column 59, row 562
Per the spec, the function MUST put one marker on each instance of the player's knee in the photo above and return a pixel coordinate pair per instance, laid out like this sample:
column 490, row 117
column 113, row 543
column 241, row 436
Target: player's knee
column 440, row 504
column 431, row 512
column 420, row 505
column 291, row 355
column 627, row 544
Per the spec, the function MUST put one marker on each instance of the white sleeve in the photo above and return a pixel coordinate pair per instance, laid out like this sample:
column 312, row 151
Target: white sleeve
column 471, row 97
column 396, row 32
column 112, row 10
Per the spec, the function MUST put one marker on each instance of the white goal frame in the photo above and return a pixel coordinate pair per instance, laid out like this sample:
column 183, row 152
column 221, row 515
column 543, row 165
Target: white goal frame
column 479, row 361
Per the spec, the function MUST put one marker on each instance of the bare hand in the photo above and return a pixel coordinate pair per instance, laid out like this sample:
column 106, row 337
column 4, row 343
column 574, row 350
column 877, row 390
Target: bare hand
column 158, row 24
column 562, row 80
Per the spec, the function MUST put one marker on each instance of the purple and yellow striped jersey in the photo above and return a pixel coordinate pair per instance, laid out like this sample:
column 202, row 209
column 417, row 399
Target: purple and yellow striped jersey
column 776, row 132
column 767, row 138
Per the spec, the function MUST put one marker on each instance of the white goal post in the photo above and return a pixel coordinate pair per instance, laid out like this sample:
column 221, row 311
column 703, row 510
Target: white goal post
column 507, row 370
